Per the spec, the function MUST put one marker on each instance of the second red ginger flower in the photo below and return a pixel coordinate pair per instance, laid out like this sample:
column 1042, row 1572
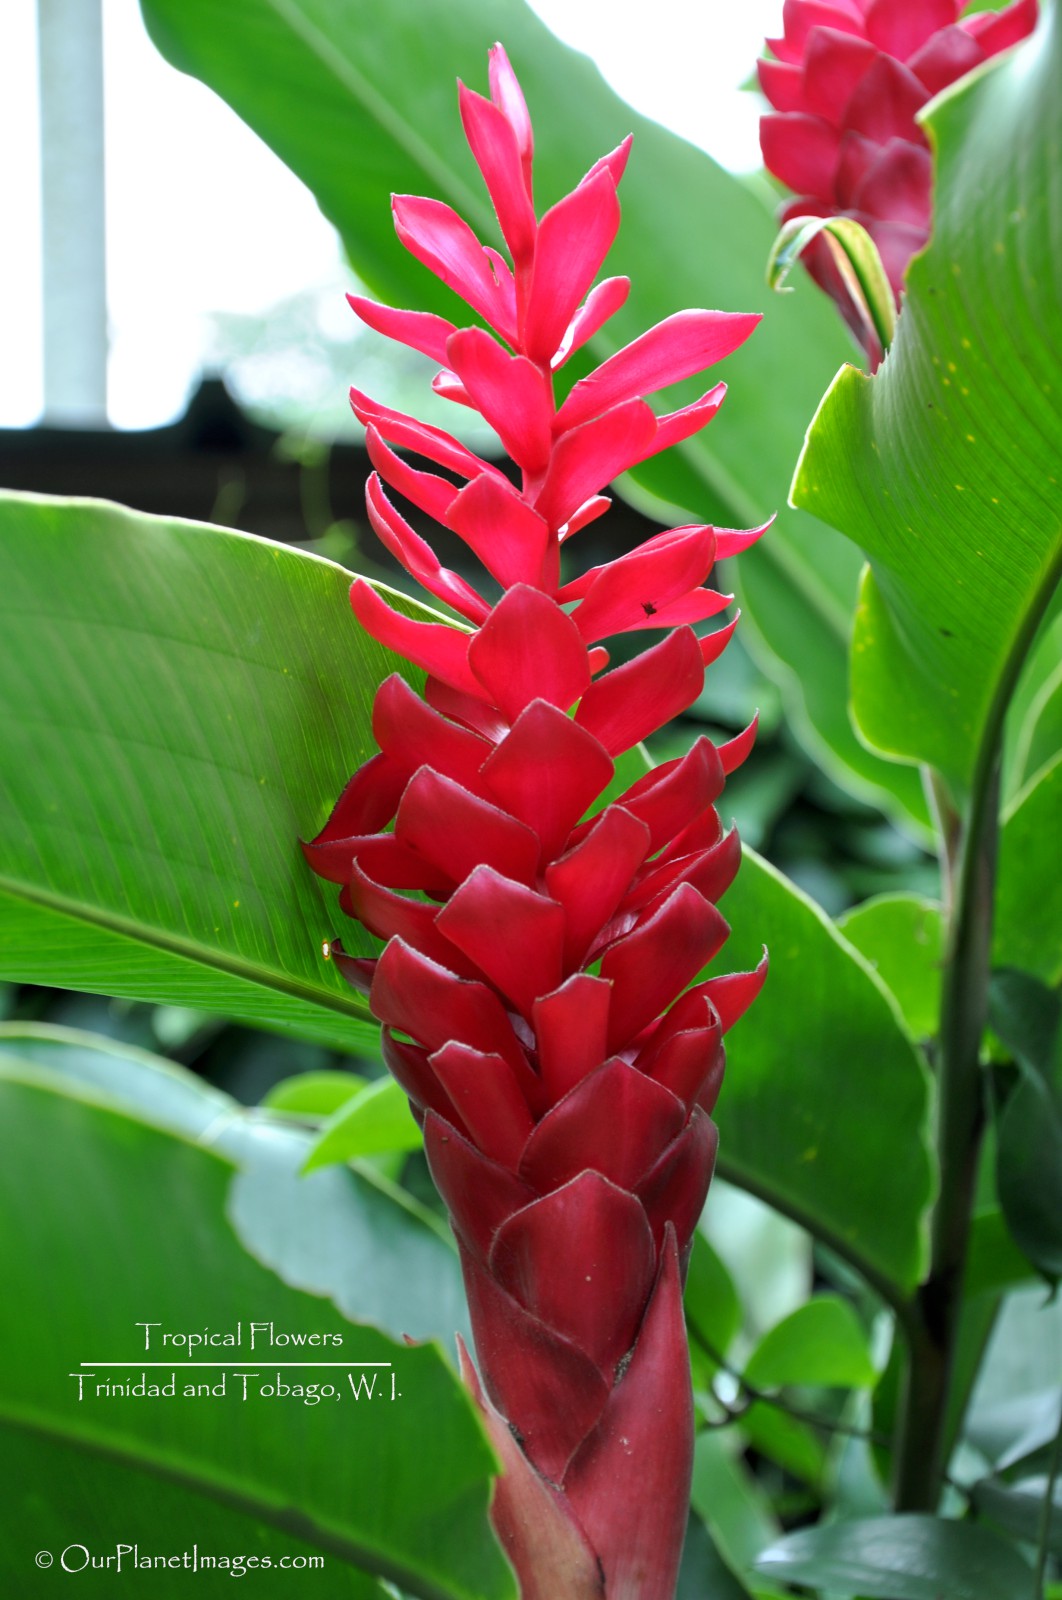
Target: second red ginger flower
column 846, row 84
column 534, row 997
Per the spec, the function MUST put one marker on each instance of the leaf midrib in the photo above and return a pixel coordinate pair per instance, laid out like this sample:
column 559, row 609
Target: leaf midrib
column 224, row 1490
column 172, row 944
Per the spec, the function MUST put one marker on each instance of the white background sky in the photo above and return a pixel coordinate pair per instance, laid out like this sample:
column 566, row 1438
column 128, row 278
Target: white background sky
column 202, row 218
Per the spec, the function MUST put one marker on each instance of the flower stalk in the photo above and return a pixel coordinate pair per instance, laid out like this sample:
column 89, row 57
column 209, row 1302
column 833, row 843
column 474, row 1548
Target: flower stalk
column 541, row 984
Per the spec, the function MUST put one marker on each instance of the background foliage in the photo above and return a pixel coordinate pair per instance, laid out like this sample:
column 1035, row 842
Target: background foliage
column 201, row 695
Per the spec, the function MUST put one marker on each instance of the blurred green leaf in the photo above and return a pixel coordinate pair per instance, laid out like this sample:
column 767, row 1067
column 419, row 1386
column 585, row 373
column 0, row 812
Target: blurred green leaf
column 1014, row 1433
column 378, row 113
column 377, row 1121
column 911, row 1557
column 350, row 1235
column 993, row 1260
column 734, row 1507
column 167, row 1095
column 822, row 1343
column 1019, row 1508
column 788, row 1441
column 943, row 467
column 704, row 1572
column 1028, row 1018
column 1034, row 733
column 713, row 1310
column 902, row 936
column 1028, row 929
column 135, row 1217
column 314, row 1094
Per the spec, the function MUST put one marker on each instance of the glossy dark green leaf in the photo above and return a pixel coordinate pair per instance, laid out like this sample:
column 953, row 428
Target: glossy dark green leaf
column 1028, row 1017
column 178, row 705
column 944, row 466
column 378, row 113
column 902, row 936
column 130, row 1221
column 909, row 1557
column 822, row 1343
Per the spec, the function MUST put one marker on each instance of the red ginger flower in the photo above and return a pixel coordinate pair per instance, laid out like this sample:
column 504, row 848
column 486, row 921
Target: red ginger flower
column 846, row 84
column 534, row 1000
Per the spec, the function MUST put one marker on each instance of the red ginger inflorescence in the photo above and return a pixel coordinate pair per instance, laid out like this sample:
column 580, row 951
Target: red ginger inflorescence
column 847, row 81
column 539, row 1001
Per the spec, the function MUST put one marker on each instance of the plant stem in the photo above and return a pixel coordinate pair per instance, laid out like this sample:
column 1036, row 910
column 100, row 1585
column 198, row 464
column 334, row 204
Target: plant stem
column 960, row 1123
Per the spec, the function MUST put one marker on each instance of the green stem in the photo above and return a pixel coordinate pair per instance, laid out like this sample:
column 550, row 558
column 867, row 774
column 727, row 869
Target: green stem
column 933, row 1330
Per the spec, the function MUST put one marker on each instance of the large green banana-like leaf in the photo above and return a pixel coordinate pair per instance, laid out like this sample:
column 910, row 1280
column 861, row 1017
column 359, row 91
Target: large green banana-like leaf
column 109, row 1223
column 944, row 467
column 359, row 100
column 178, row 705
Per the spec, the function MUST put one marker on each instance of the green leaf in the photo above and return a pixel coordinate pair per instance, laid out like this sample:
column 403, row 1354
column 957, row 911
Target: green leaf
column 377, row 113
column 944, row 466
column 713, row 1310
column 993, row 1260
column 1034, row 730
column 377, row 1121
column 1028, row 1018
column 175, row 713
column 130, row 1222
column 822, row 1343
column 314, row 1094
column 61, row 1498
column 351, row 1235
column 787, row 1440
column 736, row 1511
column 823, row 1042
column 704, row 1572
column 1028, row 929
column 910, row 1557
column 902, row 937
column 161, row 1092
column 1019, row 1508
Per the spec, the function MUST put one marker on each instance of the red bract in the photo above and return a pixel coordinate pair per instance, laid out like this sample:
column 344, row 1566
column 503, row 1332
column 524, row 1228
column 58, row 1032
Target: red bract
column 540, row 997
column 847, row 81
